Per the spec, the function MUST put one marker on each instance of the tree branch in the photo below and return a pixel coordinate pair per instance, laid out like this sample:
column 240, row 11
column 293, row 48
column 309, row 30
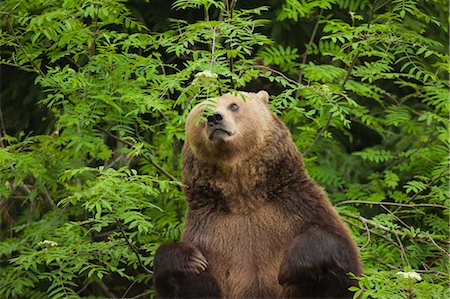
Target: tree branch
column 131, row 246
column 162, row 170
column 105, row 289
column 128, row 289
column 330, row 117
column 420, row 236
column 278, row 73
column 371, row 231
column 412, row 205
column 308, row 46
column 36, row 69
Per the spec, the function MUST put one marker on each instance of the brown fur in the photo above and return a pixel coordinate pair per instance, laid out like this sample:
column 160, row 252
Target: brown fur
column 249, row 197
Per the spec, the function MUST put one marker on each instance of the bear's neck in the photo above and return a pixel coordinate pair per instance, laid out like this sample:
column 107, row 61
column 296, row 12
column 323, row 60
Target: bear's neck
column 243, row 184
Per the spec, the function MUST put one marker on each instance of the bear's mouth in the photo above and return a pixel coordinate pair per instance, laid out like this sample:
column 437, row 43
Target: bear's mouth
column 218, row 131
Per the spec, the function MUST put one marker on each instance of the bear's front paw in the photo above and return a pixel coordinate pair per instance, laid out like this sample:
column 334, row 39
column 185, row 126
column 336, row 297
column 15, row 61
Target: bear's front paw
column 293, row 271
column 315, row 255
column 179, row 258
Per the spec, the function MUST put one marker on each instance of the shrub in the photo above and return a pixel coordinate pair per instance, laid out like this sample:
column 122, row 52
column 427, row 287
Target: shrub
column 92, row 116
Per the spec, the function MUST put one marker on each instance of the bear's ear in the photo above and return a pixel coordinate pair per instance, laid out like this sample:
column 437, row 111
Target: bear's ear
column 263, row 96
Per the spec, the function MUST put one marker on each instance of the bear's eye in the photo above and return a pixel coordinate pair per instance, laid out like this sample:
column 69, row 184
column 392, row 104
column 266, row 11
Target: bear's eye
column 233, row 107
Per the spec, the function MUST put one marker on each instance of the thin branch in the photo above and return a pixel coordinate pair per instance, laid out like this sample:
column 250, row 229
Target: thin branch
column 395, row 216
column 432, row 272
column 406, row 205
column 420, row 236
column 437, row 246
column 141, row 295
column 206, row 14
column 330, row 117
column 131, row 246
column 426, row 143
column 38, row 70
column 128, row 289
column 400, row 269
column 344, row 82
column 16, row 65
column 278, row 73
column 350, row 69
column 162, row 170
column 114, row 161
column 2, row 126
column 83, row 288
column 356, row 55
column 386, row 264
column 308, row 46
column 430, row 183
column 47, row 197
column 368, row 236
column 105, row 289
column 371, row 231
column 402, row 250
column 232, row 6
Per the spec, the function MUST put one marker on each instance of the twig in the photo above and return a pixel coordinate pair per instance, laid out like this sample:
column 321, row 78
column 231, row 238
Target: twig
column 83, row 288
column 356, row 55
column 330, row 117
column 38, row 70
column 412, row 205
column 48, row 198
column 105, row 289
column 418, row 148
column 308, row 46
column 346, row 77
column 371, row 231
column 428, row 185
column 114, row 161
column 368, row 236
column 3, row 127
column 232, row 6
column 141, row 295
column 432, row 272
column 395, row 216
column 437, row 246
column 278, row 73
column 131, row 246
column 16, row 65
column 350, row 69
column 128, row 289
column 419, row 236
column 162, row 170
column 402, row 250
column 399, row 268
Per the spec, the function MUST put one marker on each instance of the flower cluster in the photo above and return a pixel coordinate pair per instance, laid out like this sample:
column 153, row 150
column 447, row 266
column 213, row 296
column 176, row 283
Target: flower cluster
column 207, row 74
column 47, row 243
column 410, row 275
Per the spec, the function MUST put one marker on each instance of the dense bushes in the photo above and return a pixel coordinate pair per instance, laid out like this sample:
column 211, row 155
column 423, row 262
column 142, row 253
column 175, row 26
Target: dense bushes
column 95, row 93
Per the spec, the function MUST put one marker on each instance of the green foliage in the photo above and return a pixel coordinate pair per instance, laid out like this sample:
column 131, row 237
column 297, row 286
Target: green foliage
column 90, row 190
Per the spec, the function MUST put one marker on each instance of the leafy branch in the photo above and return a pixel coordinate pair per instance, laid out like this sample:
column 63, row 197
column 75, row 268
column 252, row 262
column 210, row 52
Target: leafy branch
column 150, row 160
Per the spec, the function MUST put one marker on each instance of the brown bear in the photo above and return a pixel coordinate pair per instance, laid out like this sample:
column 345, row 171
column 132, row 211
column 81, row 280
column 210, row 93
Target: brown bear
column 257, row 225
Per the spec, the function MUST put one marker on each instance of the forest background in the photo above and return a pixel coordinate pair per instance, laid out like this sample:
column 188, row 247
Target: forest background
column 94, row 95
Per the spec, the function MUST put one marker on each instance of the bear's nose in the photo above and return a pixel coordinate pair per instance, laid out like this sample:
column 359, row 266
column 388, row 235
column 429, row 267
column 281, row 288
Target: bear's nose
column 215, row 119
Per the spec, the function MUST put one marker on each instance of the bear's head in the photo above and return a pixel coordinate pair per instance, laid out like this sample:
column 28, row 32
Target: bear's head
column 229, row 126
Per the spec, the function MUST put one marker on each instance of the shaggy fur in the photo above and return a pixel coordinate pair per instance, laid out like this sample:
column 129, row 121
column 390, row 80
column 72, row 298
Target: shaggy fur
column 264, row 227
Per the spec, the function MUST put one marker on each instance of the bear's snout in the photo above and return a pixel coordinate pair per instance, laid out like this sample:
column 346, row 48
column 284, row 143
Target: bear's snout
column 215, row 119
column 219, row 128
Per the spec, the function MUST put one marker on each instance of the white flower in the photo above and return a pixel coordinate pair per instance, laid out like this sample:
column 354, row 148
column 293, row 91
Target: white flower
column 206, row 74
column 412, row 275
column 47, row 243
column 325, row 88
